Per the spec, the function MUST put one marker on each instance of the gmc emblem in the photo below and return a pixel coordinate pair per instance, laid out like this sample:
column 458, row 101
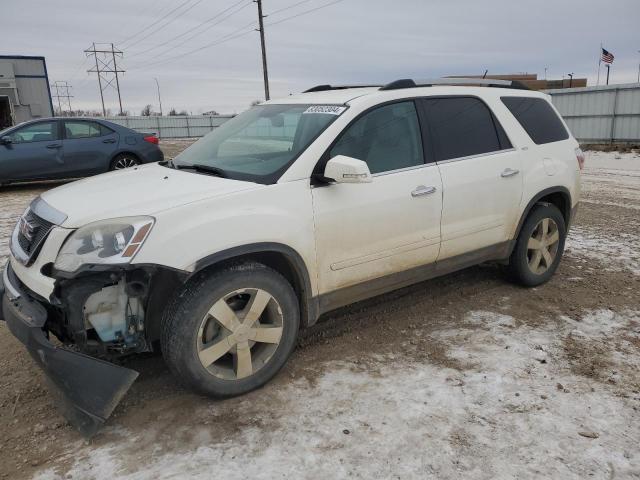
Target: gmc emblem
column 26, row 229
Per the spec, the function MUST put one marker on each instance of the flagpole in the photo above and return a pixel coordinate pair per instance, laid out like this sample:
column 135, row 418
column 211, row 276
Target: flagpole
column 599, row 62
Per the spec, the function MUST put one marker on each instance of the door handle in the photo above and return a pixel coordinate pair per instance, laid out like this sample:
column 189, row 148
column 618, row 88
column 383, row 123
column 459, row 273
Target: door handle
column 422, row 190
column 54, row 145
column 509, row 172
column 109, row 140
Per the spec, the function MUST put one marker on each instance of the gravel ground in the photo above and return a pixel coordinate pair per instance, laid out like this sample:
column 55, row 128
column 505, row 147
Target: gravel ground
column 466, row 376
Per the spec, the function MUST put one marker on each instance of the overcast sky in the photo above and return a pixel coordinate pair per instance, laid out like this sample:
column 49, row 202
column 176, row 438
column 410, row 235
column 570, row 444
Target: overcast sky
column 346, row 42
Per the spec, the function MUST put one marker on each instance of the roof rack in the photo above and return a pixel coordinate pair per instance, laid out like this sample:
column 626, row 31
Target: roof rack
column 324, row 88
column 485, row 82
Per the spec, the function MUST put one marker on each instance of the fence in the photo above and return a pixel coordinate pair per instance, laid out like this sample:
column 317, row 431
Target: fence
column 604, row 114
column 179, row 126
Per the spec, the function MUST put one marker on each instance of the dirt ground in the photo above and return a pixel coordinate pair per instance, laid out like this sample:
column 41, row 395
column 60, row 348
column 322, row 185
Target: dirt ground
column 466, row 376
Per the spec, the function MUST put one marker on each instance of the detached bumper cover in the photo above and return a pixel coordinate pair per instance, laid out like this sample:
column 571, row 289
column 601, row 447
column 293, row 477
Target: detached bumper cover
column 86, row 389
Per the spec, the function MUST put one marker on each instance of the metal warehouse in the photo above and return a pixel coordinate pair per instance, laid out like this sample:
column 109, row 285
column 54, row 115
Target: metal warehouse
column 24, row 90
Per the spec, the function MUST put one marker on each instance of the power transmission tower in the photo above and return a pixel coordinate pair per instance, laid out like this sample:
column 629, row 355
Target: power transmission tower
column 107, row 70
column 62, row 95
column 264, row 49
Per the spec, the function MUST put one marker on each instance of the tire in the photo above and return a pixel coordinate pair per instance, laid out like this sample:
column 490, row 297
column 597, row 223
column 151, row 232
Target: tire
column 124, row 160
column 205, row 346
column 535, row 246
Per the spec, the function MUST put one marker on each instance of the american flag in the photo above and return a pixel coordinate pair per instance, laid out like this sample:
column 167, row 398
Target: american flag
column 607, row 57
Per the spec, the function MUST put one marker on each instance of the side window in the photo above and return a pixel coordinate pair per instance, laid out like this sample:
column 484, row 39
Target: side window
column 538, row 119
column 38, row 132
column 76, row 129
column 463, row 126
column 387, row 138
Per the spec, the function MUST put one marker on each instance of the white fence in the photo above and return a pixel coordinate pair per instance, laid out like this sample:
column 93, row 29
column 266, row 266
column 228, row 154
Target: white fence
column 604, row 114
column 178, row 126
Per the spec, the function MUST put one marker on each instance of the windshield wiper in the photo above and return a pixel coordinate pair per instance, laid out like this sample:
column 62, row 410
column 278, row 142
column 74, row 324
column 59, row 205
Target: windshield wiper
column 199, row 167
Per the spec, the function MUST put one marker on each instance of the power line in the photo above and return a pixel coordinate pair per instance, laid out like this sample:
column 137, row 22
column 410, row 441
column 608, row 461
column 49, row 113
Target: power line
column 224, row 38
column 231, row 36
column 287, row 7
column 160, row 27
column 150, row 62
column 122, row 42
column 304, row 13
column 192, row 30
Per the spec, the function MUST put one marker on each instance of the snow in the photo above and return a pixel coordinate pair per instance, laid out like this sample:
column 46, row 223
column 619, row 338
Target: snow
column 619, row 253
column 513, row 410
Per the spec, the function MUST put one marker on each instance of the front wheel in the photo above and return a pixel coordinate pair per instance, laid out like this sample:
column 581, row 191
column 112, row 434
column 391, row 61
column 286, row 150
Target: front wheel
column 230, row 331
column 539, row 247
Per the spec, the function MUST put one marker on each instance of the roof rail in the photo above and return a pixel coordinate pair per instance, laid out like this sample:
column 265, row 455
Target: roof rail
column 324, row 88
column 485, row 82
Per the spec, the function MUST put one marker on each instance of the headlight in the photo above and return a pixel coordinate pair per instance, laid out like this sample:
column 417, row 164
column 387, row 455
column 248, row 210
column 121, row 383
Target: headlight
column 113, row 241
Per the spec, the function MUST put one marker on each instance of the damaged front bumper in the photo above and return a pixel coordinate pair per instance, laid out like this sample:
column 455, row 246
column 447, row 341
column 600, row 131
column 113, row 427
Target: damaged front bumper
column 86, row 389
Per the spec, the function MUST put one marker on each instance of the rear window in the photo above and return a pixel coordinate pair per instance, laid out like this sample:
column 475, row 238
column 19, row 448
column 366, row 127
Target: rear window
column 538, row 119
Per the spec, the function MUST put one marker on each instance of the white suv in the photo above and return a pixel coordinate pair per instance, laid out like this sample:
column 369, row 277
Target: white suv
column 291, row 209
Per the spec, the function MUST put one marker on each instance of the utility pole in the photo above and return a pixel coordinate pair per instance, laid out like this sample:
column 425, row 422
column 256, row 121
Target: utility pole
column 159, row 99
column 107, row 70
column 264, row 49
column 638, row 69
column 570, row 79
column 62, row 92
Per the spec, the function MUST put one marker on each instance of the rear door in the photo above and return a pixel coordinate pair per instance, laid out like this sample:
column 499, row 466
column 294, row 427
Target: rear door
column 88, row 147
column 482, row 183
column 34, row 152
column 373, row 230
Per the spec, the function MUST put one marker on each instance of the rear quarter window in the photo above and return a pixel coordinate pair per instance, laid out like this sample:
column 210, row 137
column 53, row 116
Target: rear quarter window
column 538, row 119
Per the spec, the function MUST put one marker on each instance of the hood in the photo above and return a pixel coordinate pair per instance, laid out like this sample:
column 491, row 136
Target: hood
column 143, row 190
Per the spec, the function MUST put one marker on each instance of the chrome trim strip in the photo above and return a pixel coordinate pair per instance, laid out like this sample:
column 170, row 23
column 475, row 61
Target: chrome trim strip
column 405, row 169
column 10, row 290
column 468, row 157
column 47, row 212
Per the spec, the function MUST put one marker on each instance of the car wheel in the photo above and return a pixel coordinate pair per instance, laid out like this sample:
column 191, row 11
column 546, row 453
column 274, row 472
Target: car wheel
column 124, row 160
column 539, row 247
column 230, row 331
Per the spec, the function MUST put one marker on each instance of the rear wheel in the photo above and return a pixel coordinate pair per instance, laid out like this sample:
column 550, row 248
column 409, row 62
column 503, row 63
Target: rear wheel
column 539, row 247
column 229, row 332
column 124, row 160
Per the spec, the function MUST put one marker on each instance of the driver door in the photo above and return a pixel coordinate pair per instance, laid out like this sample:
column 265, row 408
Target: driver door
column 373, row 230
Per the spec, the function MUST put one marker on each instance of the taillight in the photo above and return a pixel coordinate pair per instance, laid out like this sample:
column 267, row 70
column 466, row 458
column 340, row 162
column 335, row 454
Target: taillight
column 580, row 158
column 151, row 139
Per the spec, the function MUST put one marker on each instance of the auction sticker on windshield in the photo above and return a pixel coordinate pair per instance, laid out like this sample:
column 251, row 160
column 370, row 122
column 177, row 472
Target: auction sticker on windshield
column 328, row 109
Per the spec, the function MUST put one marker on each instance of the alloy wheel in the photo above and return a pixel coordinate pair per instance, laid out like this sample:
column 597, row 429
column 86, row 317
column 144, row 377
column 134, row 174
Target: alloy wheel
column 125, row 162
column 542, row 247
column 240, row 333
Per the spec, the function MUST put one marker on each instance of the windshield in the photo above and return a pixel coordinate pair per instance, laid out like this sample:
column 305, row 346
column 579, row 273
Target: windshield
column 261, row 143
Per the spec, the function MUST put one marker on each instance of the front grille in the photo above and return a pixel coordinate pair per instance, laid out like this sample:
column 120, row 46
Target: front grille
column 35, row 227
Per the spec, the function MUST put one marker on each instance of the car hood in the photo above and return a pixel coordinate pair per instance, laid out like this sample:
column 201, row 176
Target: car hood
column 143, row 190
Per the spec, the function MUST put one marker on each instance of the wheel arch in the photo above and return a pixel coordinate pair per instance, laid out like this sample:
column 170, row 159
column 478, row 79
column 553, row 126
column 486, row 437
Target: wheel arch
column 283, row 259
column 558, row 196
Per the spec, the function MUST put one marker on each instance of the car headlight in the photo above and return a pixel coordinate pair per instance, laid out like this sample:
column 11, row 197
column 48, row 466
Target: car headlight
column 107, row 242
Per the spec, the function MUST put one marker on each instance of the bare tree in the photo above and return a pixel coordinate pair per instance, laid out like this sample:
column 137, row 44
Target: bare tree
column 146, row 111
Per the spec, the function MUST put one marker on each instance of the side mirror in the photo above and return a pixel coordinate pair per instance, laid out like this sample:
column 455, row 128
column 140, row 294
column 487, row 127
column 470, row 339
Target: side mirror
column 6, row 140
column 343, row 169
